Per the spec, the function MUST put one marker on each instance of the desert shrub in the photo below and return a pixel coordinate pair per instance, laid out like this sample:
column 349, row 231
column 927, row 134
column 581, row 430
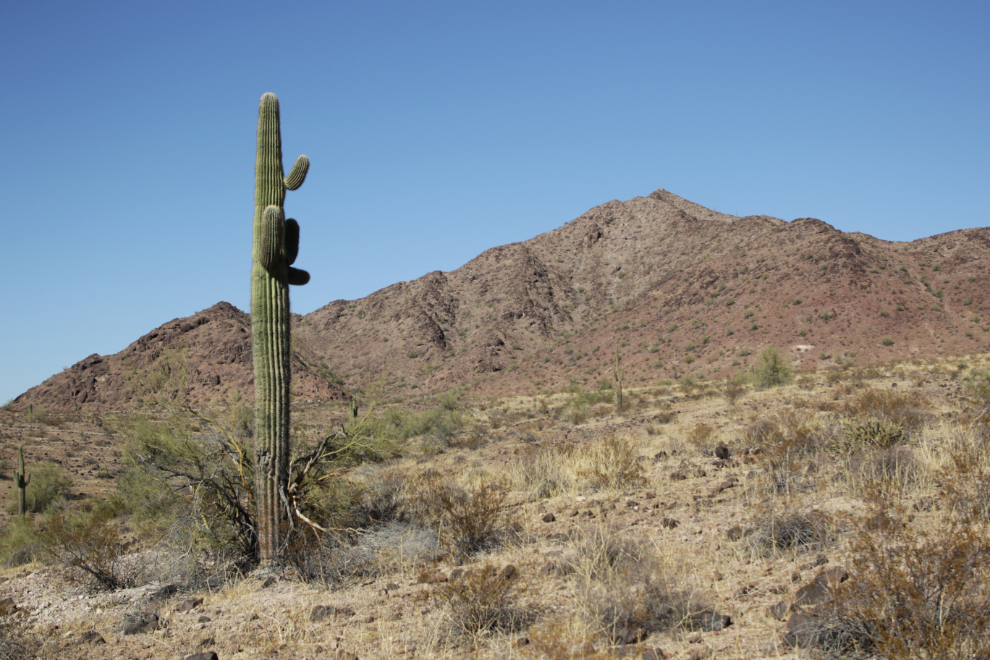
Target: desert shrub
column 700, row 436
column 87, row 542
column 868, row 433
column 204, row 478
column 777, row 529
column 889, row 470
column 626, row 593
column 20, row 543
column 908, row 410
column 915, row 592
column 609, row 463
column 480, row 601
column 771, row 369
column 732, row 391
column 49, row 485
column 788, row 442
column 465, row 520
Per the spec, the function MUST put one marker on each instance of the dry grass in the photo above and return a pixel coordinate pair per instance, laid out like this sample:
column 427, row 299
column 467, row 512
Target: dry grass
column 632, row 555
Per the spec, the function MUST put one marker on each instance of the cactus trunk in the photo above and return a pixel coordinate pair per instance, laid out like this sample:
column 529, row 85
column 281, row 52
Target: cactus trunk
column 276, row 243
column 21, row 480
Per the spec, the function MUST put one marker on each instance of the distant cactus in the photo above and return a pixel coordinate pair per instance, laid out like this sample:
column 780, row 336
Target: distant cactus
column 22, row 481
column 276, row 244
column 617, row 374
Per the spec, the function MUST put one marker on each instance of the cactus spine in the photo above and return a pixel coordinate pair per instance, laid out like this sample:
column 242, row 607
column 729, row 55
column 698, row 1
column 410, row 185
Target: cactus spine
column 21, row 480
column 276, row 244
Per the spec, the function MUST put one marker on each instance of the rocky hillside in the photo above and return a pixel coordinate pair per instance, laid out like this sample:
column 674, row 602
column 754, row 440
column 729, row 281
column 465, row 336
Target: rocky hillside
column 200, row 359
column 677, row 289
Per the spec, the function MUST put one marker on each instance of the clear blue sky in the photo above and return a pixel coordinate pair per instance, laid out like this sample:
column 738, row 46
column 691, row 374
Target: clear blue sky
column 439, row 129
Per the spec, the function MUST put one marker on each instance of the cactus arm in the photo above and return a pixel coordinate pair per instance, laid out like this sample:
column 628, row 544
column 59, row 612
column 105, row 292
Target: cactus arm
column 298, row 173
column 270, row 238
column 298, row 277
column 291, row 241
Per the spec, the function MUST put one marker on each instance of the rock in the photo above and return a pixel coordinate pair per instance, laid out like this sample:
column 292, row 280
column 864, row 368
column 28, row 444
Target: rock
column 699, row 653
column 431, row 578
column 163, row 593
column 820, row 589
column 549, row 518
column 321, row 612
column 778, row 611
column 801, row 629
column 137, row 624
column 209, row 655
column 709, row 621
column 92, row 638
column 722, row 452
column 677, row 475
column 189, row 604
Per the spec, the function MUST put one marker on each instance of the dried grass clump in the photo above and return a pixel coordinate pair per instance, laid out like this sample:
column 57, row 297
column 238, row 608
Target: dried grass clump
column 905, row 409
column 774, row 531
column 546, row 472
column 465, row 520
column 628, row 593
column 481, row 600
column 787, row 443
column 609, row 463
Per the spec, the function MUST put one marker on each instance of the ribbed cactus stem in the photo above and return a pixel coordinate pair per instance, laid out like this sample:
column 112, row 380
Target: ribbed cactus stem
column 276, row 243
column 22, row 481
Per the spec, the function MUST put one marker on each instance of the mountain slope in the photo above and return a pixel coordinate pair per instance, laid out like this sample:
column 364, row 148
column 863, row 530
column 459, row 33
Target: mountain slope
column 677, row 288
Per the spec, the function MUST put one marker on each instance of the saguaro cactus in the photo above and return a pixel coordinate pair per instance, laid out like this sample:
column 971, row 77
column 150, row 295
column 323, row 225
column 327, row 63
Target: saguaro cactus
column 276, row 244
column 617, row 374
column 21, row 480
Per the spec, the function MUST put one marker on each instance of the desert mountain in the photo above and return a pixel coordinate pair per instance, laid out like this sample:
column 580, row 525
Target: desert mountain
column 676, row 288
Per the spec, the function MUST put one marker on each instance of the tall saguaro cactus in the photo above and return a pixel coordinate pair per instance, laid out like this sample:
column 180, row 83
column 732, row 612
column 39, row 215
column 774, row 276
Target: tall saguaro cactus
column 21, row 480
column 276, row 244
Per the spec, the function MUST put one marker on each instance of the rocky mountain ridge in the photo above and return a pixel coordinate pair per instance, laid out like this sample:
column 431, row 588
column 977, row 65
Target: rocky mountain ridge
column 675, row 288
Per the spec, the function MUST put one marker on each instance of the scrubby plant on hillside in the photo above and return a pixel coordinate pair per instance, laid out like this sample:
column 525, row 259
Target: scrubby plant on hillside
column 47, row 485
column 771, row 369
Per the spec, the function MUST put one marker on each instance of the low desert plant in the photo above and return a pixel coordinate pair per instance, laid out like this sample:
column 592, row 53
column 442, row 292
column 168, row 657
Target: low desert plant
column 465, row 520
column 915, row 592
column 771, row 369
column 481, row 601
column 88, row 542
column 48, row 486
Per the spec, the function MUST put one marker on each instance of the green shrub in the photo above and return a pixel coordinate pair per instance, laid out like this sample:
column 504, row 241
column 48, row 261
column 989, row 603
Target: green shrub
column 771, row 369
column 48, row 486
column 20, row 543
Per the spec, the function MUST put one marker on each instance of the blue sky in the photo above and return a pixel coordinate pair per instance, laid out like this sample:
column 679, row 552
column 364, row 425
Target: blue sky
column 439, row 129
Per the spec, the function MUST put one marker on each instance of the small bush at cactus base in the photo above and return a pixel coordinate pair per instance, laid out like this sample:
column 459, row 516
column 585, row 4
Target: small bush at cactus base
column 48, row 486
